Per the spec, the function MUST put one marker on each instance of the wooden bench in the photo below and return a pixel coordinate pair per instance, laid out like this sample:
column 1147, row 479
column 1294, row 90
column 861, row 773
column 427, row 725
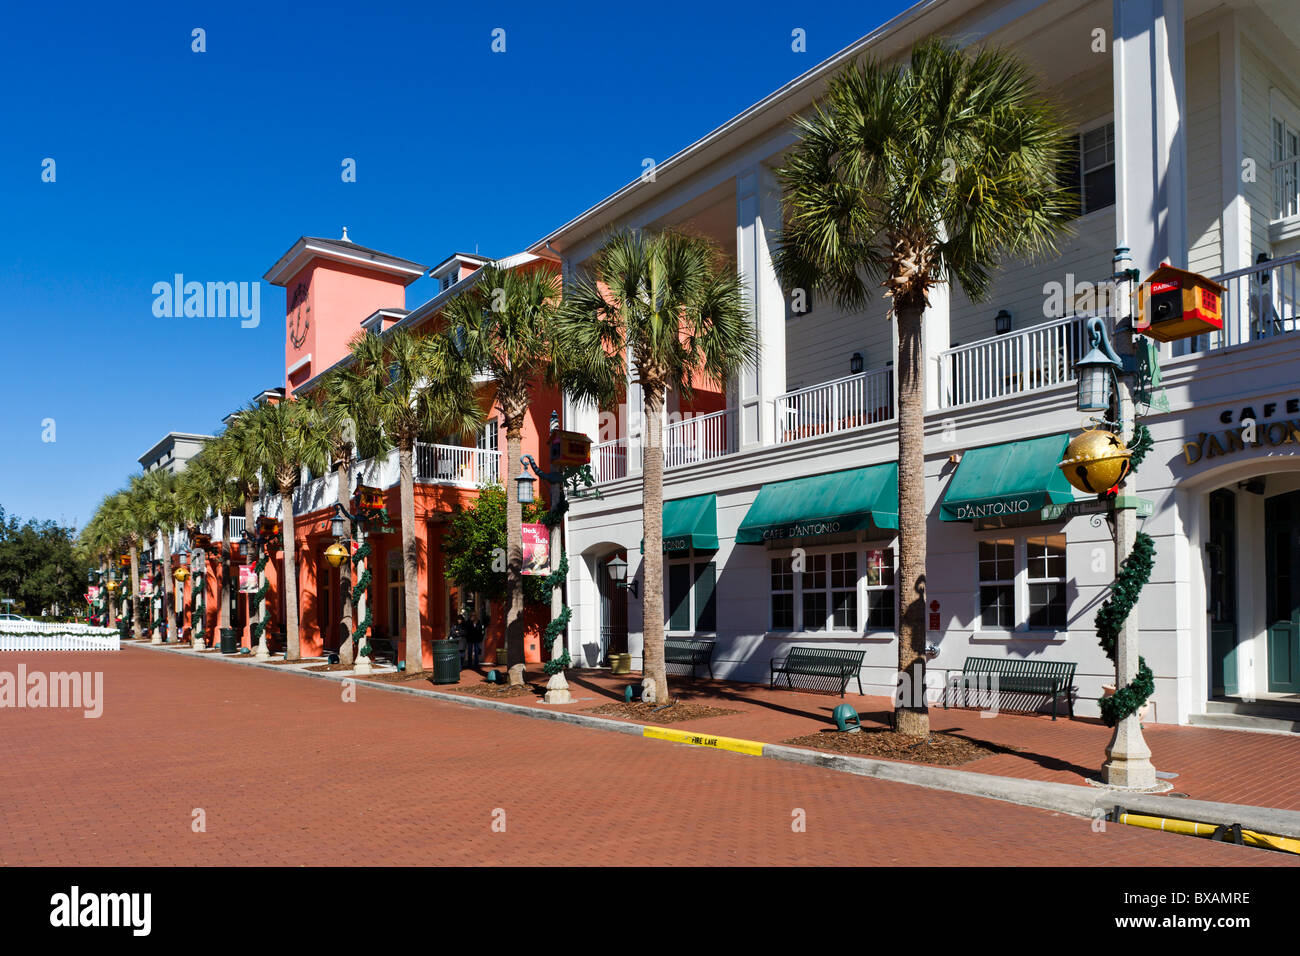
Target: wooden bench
column 1018, row 676
column 819, row 662
column 681, row 650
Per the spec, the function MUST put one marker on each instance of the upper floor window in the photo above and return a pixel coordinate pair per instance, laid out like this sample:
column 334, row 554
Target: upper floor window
column 1090, row 173
column 1285, row 156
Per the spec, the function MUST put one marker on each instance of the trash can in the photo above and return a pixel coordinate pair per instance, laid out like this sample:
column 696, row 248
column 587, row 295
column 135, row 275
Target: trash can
column 124, row 629
column 446, row 662
column 228, row 643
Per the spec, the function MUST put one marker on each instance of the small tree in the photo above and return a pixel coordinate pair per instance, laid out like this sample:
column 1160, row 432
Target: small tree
column 475, row 543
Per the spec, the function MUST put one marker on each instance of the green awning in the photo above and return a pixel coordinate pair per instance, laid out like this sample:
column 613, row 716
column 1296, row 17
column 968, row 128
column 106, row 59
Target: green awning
column 823, row 504
column 1013, row 478
column 690, row 523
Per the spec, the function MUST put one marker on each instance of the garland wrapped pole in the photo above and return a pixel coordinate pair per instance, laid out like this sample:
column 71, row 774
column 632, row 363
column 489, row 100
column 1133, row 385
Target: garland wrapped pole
column 198, row 618
column 1128, row 758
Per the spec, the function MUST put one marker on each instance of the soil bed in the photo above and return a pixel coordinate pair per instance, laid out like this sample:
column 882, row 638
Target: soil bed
column 398, row 677
column 497, row 690
column 638, row 710
column 301, row 660
column 337, row 667
column 941, row 750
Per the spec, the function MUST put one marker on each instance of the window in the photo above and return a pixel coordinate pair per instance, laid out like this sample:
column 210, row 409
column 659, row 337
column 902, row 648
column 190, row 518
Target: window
column 690, row 596
column 396, row 594
column 997, row 570
column 880, row 590
column 782, row 594
column 1090, row 172
column 844, row 591
column 1286, row 160
column 1045, row 560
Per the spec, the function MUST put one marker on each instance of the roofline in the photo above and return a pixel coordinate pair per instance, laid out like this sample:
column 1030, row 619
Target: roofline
column 307, row 248
column 469, row 257
column 770, row 102
column 173, row 436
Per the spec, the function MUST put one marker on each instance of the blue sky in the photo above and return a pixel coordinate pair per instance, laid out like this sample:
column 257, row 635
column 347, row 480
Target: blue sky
column 212, row 164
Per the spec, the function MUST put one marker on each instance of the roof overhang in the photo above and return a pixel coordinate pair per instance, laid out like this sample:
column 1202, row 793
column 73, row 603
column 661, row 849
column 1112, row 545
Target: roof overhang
column 308, row 248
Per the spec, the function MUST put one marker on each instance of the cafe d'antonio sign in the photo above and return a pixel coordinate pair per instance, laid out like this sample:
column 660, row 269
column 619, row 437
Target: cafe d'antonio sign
column 1250, row 430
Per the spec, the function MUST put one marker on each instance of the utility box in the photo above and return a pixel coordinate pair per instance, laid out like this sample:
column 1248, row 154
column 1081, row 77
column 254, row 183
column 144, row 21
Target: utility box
column 1176, row 304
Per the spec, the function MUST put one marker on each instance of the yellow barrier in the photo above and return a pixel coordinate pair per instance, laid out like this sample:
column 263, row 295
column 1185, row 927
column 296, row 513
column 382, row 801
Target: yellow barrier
column 1192, row 828
column 751, row 748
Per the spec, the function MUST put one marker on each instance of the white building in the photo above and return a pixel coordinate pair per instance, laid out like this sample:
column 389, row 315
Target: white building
column 1188, row 116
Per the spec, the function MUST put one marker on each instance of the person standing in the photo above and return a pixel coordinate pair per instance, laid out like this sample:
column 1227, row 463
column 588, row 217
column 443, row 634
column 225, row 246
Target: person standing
column 474, row 635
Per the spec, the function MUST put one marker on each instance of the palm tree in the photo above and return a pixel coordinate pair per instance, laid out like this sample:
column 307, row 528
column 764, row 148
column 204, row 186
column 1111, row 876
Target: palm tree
column 224, row 496
column 237, row 455
column 140, row 528
column 197, row 487
column 908, row 176
column 505, row 326
column 162, row 514
column 289, row 438
column 341, row 404
column 673, row 303
column 413, row 386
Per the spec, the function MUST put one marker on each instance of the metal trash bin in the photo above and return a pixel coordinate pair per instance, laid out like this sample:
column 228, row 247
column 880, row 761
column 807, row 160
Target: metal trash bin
column 228, row 643
column 446, row 662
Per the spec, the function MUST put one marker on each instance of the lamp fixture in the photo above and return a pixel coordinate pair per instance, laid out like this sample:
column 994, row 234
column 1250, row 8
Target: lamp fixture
column 1096, row 370
column 1002, row 322
column 616, row 567
column 855, row 364
column 524, row 486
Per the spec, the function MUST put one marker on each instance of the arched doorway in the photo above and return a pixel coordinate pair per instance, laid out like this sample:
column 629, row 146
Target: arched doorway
column 613, row 609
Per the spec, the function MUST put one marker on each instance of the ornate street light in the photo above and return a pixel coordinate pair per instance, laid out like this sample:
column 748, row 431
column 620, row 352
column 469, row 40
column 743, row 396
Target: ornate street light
column 524, row 485
column 1097, row 370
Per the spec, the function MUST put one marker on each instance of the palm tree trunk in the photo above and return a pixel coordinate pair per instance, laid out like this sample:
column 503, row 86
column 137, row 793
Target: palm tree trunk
column 169, row 618
column 913, row 719
column 137, row 630
column 223, row 568
column 345, row 569
column 110, row 618
column 250, row 523
column 514, row 551
column 410, row 559
column 292, row 645
column 652, row 511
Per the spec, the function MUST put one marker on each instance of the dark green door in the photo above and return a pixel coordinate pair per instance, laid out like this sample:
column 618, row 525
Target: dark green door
column 1222, row 552
column 1282, row 563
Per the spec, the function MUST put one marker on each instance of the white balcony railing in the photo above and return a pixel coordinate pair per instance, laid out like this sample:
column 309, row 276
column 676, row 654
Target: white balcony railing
column 1260, row 302
column 460, row 465
column 838, row 406
column 700, row 438
column 234, row 527
column 1025, row 361
column 609, row 460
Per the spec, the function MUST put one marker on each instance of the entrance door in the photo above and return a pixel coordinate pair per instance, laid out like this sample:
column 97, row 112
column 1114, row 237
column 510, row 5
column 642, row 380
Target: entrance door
column 613, row 611
column 1222, row 552
column 1282, row 563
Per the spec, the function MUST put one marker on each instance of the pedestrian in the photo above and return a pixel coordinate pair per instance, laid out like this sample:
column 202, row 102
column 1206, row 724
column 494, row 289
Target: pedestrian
column 474, row 635
column 459, row 632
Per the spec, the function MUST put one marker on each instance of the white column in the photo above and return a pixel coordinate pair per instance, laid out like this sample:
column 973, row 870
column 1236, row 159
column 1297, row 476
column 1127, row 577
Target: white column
column 1150, row 132
column 935, row 339
column 634, row 428
column 758, row 221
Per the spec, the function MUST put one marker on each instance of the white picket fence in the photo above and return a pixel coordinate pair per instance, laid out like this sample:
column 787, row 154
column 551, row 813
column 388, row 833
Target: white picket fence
column 40, row 636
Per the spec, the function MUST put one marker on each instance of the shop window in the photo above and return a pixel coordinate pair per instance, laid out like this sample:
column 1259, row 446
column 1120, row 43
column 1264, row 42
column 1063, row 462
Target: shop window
column 879, row 588
column 813, row 584
column 844, row 591
column 691, row 596
column 782, row 594
column 1045, row 559
column 824, row 594
column 997, row 570
column 1022, row 583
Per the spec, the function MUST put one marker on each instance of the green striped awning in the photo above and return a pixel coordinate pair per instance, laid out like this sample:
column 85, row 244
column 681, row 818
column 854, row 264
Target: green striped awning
column 1013, row 478
column 823, row 504
column 690, row 523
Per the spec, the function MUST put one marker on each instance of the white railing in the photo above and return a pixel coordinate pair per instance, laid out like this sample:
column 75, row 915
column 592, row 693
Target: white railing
column 1025, row 361
column 1260, row 302
column 460, row 465
column 609, row 460
column 842, row 405
column 700, row 438
column 45, row 636
column 234, row 527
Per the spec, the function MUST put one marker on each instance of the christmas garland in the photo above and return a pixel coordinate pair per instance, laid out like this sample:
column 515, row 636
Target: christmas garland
column 555, row 579
column 1132, row 575
column 255, row 605
column 352, row 594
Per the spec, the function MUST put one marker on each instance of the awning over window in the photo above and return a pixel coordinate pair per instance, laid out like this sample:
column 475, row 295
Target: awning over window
column 1013, row 478
column 823, row 504
column 690, row 523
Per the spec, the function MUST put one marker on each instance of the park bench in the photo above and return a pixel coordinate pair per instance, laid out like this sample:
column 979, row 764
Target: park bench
column 682, row 650
column 1018, row 676
column 819, row 662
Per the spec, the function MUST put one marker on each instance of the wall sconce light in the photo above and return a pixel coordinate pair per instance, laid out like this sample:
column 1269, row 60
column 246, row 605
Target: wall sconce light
column 617, row 569
column 1002, row 322
column 855, row 364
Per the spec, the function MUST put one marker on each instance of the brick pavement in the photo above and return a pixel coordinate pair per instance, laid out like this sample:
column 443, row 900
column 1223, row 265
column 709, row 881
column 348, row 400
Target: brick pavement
column 287, row 773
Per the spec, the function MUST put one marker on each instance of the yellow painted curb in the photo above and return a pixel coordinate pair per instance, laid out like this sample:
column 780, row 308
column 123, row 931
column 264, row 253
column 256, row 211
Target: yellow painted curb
column 751, row 748
column 1193, row 828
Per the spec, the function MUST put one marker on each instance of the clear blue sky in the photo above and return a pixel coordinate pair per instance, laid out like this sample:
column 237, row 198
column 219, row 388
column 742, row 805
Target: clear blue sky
column 212, row 164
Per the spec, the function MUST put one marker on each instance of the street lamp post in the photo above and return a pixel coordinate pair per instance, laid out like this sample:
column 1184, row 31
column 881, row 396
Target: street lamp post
column 362, row 662
column 255, row 543
column 557, row 688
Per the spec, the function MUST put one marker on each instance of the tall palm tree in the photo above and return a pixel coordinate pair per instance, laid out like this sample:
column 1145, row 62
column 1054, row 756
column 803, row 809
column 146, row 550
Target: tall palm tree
column 224, row 497
column 675, row 305
column 162, row 512
column 197, row 486
column 908, row 176
column 140, row 528
column 289, row 438
column 412, row 386
column 341, row 403
column 505, row 326
column 239, row 457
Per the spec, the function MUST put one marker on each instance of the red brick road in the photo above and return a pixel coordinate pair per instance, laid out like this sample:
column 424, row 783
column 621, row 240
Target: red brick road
column 288, row 773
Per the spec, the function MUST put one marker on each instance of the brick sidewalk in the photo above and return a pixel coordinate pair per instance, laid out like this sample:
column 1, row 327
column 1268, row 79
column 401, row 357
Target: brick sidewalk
column 287, row 773
column 1223, row 765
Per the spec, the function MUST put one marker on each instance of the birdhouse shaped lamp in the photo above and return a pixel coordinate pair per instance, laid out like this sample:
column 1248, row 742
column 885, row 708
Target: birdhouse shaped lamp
column 1176, row 304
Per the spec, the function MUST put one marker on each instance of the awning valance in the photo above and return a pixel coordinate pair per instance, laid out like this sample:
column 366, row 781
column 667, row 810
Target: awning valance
column 1012, row 478
column 823, row 504
column 690, row 523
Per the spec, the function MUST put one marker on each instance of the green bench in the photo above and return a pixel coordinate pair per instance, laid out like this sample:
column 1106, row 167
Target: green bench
column 818, row 662
column 1018, row 676
column 681, row 650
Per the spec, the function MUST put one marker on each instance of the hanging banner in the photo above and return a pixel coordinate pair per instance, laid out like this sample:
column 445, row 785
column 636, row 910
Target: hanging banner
column 146, row 585
column 537, row 549
column 248, row 578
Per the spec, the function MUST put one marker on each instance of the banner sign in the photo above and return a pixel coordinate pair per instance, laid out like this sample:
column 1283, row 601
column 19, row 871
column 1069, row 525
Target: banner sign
column 146, row 585
column 537, row 549
column 247, row 578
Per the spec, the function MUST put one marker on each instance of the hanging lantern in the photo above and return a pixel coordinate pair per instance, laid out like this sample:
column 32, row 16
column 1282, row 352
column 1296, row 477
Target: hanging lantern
column 1096, row 462
column 524, row 486
column 336, row 554
column 1096, row 370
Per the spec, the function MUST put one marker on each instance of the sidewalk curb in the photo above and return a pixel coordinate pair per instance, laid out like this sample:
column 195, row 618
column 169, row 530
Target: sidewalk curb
column 1082, row 801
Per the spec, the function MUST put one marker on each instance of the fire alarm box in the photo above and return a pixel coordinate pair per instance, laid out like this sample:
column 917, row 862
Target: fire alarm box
column 1176, row 304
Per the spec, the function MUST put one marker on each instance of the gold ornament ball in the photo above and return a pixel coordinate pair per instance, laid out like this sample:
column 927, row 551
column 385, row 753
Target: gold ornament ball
column 180, row 574
column 336, row 554
column 1095, row 461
